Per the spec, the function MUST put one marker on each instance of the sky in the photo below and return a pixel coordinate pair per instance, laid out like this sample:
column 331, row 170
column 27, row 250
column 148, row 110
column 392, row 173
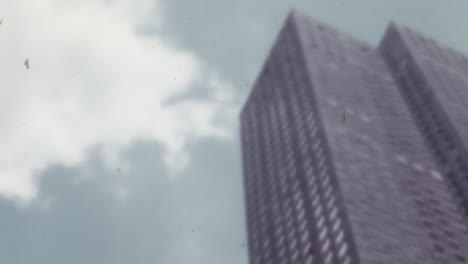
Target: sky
column 120, row 144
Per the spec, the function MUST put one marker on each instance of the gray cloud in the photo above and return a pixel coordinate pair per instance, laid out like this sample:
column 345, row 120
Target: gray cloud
column 192, row 219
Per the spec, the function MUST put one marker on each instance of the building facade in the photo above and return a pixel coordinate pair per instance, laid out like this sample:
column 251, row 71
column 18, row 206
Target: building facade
column 433, row 80
column 336, row 169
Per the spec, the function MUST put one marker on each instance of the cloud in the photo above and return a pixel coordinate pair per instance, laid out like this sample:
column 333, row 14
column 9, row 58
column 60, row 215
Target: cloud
column 139, row 217
column 94, row 81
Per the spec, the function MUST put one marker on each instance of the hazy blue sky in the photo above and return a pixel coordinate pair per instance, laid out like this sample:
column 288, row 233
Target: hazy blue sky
column 120, row 143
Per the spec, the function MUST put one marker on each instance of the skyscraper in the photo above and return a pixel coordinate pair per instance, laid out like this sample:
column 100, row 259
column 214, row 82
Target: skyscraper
column 433, row 80
column 335, row 168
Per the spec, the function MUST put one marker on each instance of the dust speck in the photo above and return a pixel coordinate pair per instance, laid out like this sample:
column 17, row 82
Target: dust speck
column 344, row 114
column 26, row 63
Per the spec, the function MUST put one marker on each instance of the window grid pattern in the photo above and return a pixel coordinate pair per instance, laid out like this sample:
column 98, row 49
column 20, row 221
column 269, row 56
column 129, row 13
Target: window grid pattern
column 328, row 85
column 294, row 196
column 249, row 190
column 283, row 190
column 297, row 100
column 363, row 177
column 423, row 46
column 255, row 235
column 258, row 175
column 289, row 89
column 445, row 142
column 450, row 239
column 292, row 199
column 270, row 127
column 299, row 195
column 301, row 247
column 270, row 183
column 291, row 85
column 404, row 137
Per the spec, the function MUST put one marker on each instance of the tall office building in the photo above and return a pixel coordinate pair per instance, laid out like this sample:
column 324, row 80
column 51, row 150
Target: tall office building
column 434, row 82
column 335, row 168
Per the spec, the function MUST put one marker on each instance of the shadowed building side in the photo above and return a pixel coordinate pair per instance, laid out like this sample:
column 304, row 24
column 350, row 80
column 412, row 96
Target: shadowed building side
column 430, row 80
column 433, row 80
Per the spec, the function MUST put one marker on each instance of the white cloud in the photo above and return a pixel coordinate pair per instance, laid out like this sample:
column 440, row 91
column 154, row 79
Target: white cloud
column 91, row 81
